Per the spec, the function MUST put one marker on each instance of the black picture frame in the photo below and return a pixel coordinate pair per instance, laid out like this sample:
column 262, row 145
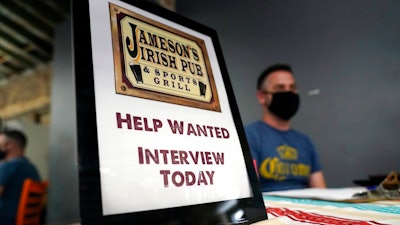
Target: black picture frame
column 87, row 139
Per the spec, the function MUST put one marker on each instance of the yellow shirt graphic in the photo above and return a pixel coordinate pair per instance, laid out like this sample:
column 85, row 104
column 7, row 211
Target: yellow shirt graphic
column 278, row 168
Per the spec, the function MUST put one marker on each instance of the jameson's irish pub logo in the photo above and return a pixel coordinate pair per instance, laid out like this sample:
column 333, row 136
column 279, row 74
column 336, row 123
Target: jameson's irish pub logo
column 158, row 62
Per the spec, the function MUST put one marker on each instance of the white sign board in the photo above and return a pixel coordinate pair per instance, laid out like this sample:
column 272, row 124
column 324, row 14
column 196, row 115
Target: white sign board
column 166, row 134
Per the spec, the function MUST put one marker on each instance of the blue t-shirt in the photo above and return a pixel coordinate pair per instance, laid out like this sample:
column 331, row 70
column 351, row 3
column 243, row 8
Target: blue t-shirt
column 285, row 159
column 12, row 175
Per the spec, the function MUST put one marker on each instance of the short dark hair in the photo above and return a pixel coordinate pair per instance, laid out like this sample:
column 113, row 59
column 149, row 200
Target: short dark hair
column 18, row 137
column 269, row 70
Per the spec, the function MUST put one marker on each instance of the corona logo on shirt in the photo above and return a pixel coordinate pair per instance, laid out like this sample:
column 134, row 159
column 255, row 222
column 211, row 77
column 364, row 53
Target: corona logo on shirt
column 278, row 168
column 155, row 61
column 287, row 152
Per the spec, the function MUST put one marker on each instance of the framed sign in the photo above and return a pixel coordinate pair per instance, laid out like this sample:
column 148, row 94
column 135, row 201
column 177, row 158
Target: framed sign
column 160, row 139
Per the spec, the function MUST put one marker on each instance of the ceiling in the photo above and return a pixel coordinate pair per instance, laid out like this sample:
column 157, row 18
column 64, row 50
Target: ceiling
column 26, row 33
column 27, row 30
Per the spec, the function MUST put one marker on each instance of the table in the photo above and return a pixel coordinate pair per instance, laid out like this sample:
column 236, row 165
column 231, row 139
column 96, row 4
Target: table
column 289, row 210
column 314, row 206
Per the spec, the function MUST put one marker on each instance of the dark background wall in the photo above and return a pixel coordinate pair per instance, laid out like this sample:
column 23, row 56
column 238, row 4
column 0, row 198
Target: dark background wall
column 346, row 58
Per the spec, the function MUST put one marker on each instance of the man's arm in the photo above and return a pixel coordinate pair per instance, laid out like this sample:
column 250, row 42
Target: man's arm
column 317, row 180
column 1, row 190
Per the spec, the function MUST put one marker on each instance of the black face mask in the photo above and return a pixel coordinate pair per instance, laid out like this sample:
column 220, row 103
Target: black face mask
column 284, row 104
column 3, row 154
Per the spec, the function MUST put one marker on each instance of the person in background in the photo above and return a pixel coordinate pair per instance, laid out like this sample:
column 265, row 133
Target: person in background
column 3, row 139
column 14, row 169
column 284, row 158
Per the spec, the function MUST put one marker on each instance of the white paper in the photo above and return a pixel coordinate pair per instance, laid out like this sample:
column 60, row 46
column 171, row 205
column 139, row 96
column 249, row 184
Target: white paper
column 333, row 194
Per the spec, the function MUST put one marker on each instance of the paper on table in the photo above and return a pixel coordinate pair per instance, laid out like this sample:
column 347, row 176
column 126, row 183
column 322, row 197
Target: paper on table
column 332, row 194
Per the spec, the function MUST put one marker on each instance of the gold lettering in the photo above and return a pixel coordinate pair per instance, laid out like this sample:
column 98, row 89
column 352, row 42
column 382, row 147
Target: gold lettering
column 304, row 170
column 273, row 168
column 294, row 169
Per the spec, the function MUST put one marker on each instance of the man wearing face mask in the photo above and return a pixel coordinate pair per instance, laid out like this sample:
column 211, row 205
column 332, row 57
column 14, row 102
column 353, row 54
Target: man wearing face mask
column 14, row 169
column 285, row 158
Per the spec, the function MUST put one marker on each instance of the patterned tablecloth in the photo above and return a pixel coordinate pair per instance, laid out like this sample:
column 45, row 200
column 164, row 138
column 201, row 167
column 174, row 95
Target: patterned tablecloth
column 287, row 210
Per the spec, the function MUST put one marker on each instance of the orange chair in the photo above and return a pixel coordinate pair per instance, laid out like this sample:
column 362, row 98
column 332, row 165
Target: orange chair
column 32, row 202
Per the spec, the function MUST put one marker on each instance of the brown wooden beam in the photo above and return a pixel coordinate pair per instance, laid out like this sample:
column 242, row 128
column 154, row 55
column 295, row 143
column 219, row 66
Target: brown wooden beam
column 27, row 94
